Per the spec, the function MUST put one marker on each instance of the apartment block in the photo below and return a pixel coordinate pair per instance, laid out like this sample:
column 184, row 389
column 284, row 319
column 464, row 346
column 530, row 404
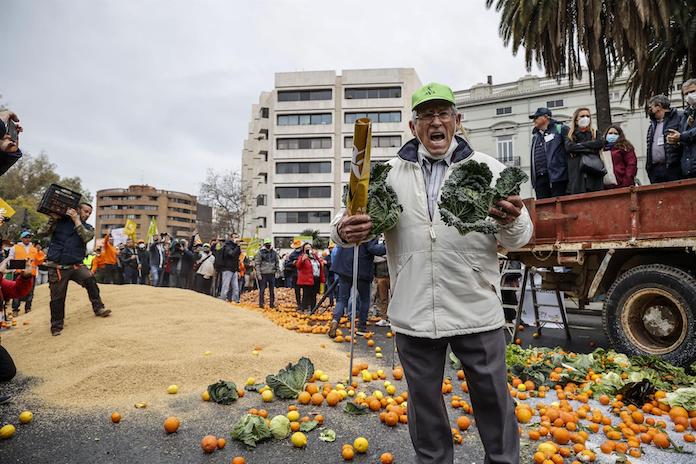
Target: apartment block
column 176, row 213
column 297, row 153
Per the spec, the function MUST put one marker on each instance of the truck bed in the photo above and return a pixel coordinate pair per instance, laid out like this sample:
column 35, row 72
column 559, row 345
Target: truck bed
column 630, row 216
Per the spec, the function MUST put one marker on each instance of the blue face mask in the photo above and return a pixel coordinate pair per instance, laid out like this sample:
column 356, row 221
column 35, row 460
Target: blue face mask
column 612, row 138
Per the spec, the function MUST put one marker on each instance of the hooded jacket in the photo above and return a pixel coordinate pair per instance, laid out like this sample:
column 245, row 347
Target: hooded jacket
column 443, row 284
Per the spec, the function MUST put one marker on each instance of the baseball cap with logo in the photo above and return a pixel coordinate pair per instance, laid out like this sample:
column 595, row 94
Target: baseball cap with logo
column 25, row 234
column 432, row 91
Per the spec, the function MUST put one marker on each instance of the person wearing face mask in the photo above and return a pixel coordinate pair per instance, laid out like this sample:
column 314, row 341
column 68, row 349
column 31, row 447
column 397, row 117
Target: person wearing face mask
column 309, row 272
column 143, row 262
column 685, row 136
column 583, row 141
column 267, row 265
column 205, row 270
column 623, row 157
column 445, row 285
column 663, row 162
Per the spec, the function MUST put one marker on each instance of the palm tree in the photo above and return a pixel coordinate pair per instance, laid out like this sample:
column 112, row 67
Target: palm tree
column 558, row 34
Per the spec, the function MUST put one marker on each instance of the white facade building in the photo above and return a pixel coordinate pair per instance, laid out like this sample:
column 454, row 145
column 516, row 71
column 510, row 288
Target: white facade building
column 296, row 155
column 496, row 117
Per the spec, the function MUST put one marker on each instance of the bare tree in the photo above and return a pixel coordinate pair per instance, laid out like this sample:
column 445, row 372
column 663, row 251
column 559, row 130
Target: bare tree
column 223, row 191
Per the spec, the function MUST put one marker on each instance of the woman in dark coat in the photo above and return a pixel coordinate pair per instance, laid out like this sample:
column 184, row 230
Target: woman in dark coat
column 583, row 140
column 623, row 157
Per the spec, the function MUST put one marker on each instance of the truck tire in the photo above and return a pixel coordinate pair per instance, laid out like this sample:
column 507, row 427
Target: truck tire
column 651, row 309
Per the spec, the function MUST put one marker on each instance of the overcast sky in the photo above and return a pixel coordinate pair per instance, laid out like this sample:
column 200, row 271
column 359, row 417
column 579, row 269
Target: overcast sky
column 124, row 91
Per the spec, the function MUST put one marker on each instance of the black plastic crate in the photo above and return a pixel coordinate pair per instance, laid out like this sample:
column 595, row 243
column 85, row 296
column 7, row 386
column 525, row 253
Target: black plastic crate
column 58, row 199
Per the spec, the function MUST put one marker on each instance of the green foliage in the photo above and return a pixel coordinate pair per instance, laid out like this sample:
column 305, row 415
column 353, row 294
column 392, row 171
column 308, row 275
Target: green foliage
column 289, row 382
column 684, row 397
column 308, row 426
column 250, row 430
column 327, row 435
column 467, row 196
column 354, row 409
column 223, row 392
column 382, row 203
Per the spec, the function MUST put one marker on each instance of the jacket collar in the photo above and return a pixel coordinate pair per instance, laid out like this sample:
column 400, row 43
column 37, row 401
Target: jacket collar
column 409, row 152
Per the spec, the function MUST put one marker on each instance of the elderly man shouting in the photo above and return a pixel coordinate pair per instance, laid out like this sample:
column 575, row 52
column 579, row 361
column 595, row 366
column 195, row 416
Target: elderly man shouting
column 445, row 285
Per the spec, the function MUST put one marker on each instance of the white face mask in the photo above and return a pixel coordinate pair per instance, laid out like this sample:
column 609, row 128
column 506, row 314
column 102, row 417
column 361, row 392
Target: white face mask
column 584, row 121
column 691, row 98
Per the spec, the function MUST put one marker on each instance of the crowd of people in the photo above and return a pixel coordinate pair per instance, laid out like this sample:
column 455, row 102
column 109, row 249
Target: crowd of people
column 577, row 158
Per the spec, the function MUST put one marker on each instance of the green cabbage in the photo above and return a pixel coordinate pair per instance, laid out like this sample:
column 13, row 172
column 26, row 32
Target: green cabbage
column 289, row 382
column 223, row 392
column 251, row 429
column 280, row 427
column 684, row 397
column 467, row 196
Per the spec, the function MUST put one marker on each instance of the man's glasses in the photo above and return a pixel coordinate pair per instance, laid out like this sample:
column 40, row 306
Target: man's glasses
column 444, row 116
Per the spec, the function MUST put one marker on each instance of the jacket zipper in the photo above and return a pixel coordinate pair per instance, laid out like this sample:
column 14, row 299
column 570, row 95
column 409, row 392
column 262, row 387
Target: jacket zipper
column 433, row 237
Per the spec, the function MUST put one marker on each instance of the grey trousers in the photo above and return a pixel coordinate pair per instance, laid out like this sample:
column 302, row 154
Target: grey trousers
column 483, row 361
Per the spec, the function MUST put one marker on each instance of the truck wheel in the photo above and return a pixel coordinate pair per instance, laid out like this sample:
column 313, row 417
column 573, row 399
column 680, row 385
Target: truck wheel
column 651, row 310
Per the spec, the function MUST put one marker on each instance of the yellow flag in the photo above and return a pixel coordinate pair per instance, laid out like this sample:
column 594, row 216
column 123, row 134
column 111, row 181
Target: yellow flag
column 152, row 230
column 6, row 211
column 130, row 228
column 356, row 203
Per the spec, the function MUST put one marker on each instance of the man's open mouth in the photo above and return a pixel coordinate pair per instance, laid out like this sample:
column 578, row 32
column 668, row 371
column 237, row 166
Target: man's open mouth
column 437, row 136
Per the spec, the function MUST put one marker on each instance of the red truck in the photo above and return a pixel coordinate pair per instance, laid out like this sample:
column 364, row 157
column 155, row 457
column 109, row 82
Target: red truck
column 637, row 247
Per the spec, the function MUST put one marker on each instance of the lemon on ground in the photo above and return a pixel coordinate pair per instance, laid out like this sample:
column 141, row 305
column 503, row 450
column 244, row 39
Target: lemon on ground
column 378, row 356
column 294, row 416
column 351, row 393
column 26, row 417
column 299, row 440
column 378, row 349
column 267, row 396
column 172, row 389
column 205, row 396
column 360, row 444
column 391, row 389
column 251, row 381
column 324, row 378
column 7, row 431
column 522, row 387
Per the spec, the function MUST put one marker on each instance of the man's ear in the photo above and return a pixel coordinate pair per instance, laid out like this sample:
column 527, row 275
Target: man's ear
column 412, row 127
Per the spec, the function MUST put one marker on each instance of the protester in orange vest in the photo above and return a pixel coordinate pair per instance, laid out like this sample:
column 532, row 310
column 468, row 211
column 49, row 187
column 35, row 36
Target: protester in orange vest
column 107, row 265
column 42, row 277
column 27, row 251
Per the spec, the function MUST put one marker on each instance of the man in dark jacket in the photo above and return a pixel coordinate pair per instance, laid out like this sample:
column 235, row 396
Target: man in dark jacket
column 343, row 267
column 67, row 249
column 143, row 262
column 549, row 159
column 664, row 159
column 686, row 135
column 129, row 260
column 266, row 263
column 158, row 258
column 229, row 267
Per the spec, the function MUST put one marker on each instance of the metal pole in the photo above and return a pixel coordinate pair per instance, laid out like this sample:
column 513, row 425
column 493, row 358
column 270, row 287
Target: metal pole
column 354, row 293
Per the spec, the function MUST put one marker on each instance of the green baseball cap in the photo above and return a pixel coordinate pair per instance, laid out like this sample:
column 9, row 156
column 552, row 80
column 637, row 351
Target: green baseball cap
column 267, row 240
column 432, row 91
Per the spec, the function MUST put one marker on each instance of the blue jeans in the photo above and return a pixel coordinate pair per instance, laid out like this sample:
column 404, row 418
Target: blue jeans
column 345, row 284
column 154, row 276
column 229, row 279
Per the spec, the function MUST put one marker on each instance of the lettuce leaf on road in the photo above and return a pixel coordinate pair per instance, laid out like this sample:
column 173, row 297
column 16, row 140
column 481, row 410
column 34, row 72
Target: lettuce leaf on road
column 289, row 382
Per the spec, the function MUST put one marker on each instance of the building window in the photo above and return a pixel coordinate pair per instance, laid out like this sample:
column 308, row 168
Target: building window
column 615, row 95
column 504, row 148
column 282, row 242
column 303, row 192
column 261, row 200
column 316, row 119
column 262, row 221
column 303, row 217
column 304, row 95
column 153, row 198
column 346, row 165
column 373, row 92
column 264, row 112
column 377, row 116
column 303, row 144
column 503, row 110
column 308, row 167
column 378, row 141
column 554, row 103
column 264, row 153
column 264, row 177
column 180, row 200
column 132, row 216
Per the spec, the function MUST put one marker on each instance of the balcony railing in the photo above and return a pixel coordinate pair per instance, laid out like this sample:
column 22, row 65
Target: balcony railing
column 515, row 161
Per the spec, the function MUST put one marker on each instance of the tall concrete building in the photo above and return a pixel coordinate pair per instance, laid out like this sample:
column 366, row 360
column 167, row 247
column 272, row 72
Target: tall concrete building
column 298, row 150
column 496, row 116
column 175, row 212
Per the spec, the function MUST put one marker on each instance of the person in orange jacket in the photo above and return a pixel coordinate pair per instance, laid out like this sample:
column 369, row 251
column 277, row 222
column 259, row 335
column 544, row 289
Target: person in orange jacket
column 25, row 250
column 107, row 262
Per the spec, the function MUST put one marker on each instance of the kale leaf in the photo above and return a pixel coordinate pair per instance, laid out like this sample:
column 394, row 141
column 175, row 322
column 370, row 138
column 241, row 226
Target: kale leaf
column 382, row 203
column 467, row 196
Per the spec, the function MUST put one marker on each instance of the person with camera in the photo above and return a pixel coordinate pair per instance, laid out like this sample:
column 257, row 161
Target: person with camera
column 67, row 248
column 9, row 140
column 129, row 259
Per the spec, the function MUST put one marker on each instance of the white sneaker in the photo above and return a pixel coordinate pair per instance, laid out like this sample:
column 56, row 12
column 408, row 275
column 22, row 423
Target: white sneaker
column 382, row 323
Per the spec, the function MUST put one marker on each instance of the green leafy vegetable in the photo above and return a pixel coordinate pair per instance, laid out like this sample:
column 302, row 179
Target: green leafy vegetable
column 467, row 196
column 684, row 397
column 250, row 430
column 354, row 409
column 327, row 435
column 223, row 392
column 382, row 203
column 255, row 387
column 289, row 382
column 455, row 363
column 308, row 426
column 280, row 427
